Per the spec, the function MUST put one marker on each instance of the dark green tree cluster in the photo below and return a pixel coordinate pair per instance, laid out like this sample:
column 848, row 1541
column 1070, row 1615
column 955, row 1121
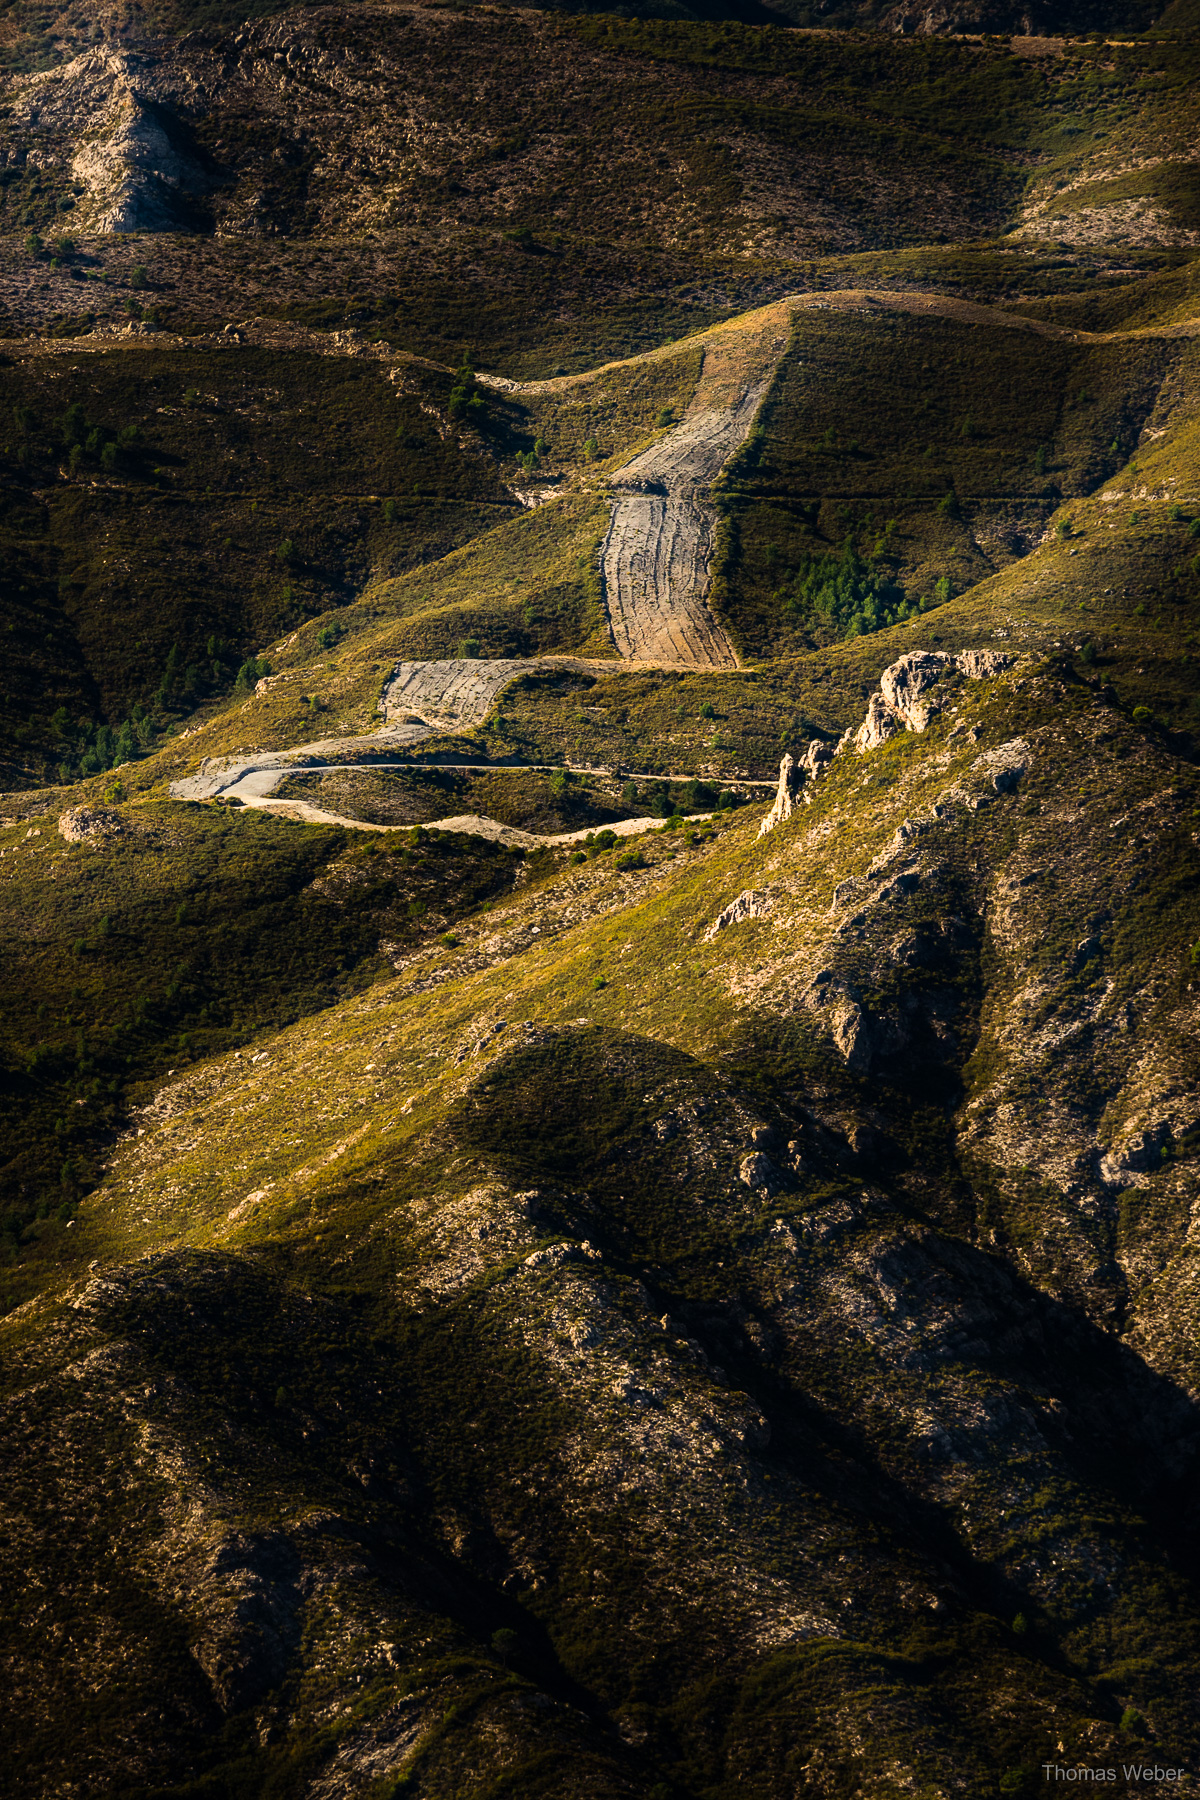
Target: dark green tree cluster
column 86, row 441
column 532, row 459
column 842, row 594
column 88, row 748
column 666, row 799
column 250, row 673
column 466, row 401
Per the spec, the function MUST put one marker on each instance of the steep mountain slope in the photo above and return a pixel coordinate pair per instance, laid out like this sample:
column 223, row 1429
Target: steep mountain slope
column 544, row 1251
column 801, row 1261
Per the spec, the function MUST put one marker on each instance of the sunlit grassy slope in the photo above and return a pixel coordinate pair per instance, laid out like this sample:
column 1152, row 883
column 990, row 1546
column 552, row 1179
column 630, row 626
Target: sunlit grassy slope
column 685, row 1317
column 331, row 1311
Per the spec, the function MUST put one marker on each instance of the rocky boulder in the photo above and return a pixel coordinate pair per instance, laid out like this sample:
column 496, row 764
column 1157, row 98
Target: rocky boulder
column 908, row 696
column 89, row 822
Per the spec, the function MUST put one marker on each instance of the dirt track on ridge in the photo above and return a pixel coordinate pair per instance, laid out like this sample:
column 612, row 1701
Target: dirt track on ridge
column 657, row 557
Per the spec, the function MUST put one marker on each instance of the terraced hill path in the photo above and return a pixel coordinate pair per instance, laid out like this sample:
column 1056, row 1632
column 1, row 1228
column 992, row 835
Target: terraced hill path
column 422, row 700
column 657, row 555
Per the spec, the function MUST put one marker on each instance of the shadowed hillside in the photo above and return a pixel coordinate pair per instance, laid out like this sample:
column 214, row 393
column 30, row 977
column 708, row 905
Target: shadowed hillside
column 598, row 877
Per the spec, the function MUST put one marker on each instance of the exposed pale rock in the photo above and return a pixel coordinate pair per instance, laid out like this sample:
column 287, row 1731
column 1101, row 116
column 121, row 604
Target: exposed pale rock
column 785, row 795
column 757, row 1171
column 748, row 905
column 905, row 686
column 853, row 1036
column 792, row 777
column 907, row 699
column 136, row 155
column 879, row 725
column 978, row 665
column 815, row 757
column 87, row 821
column 552, row 1255
column 1006, row 764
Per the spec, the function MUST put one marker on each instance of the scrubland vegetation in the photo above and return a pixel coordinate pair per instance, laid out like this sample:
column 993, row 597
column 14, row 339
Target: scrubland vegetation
column 683, row 1312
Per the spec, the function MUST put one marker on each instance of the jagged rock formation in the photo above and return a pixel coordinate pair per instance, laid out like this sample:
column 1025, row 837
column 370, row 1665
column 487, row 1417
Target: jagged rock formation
column 909, row 696
column 792, row 777
column 753, row 904
column 909, row 692
column 135, row 155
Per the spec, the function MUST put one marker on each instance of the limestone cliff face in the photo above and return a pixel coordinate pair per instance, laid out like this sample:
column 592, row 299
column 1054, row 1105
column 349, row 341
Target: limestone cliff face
column 121, row 120
column 914, row 688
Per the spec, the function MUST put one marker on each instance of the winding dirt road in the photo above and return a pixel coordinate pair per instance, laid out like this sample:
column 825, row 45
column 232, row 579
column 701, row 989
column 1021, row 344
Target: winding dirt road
column 656, row 560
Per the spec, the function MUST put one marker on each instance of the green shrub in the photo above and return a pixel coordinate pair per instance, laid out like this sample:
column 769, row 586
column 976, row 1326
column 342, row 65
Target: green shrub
column 251, row 673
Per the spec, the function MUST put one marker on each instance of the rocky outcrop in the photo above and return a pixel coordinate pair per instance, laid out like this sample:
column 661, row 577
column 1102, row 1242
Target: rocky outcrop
column 750, row 905
column 1006, row 764
column 909, row 696
column 134, row 152
column 792, row 777
column 89, row 822
column 907, row 699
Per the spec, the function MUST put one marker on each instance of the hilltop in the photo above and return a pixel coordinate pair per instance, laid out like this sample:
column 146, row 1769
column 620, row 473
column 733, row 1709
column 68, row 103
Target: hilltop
column 598, row 865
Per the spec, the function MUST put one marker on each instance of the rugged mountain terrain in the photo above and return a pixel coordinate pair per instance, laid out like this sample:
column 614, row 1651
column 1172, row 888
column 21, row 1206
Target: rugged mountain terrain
column 599, row 851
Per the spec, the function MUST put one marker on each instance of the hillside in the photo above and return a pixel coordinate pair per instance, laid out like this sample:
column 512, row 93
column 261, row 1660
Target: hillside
column 599, row 840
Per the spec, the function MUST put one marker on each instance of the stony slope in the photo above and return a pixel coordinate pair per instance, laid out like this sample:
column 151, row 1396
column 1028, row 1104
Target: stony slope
column 704, row 1306
column 847, row 1287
